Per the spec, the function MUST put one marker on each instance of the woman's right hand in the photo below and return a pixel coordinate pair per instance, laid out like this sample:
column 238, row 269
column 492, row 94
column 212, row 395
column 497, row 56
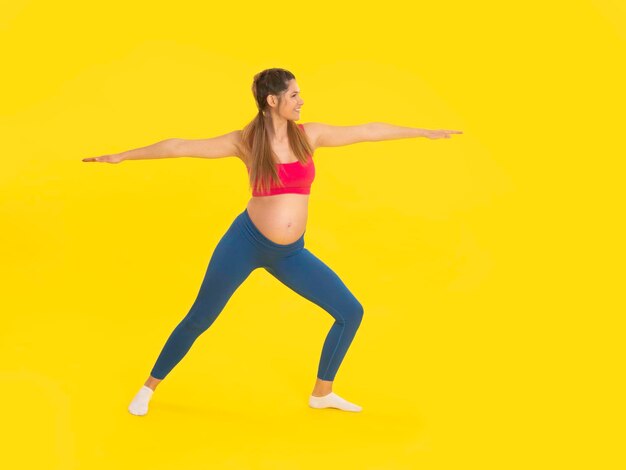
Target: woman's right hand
column 116, row 158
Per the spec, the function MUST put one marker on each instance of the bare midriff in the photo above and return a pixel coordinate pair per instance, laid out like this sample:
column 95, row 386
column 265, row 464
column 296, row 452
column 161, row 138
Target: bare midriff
column 282, row 217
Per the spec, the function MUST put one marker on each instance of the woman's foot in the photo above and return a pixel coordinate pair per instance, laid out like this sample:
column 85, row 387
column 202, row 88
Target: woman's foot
column 139, row 405
column 332, row 400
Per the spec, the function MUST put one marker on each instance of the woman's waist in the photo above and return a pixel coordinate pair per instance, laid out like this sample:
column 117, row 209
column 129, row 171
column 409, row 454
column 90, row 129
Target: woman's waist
column 280, row 203
column 280, row 210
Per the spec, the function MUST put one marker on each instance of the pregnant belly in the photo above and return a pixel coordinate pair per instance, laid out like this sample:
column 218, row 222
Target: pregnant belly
column 281, row 218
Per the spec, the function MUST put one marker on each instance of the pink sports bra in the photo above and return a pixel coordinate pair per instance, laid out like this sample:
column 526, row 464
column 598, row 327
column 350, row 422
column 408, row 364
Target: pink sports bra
column 296, row 177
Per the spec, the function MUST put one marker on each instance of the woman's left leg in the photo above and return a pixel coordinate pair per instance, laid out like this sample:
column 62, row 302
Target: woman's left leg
column 310, row 277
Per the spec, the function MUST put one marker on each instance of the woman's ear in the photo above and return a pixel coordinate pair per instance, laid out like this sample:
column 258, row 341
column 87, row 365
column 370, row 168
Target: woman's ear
column 271, row 100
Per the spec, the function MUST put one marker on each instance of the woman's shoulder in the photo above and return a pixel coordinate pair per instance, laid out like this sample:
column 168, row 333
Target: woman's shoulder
column 305, row 127
column 310, row 132
column 240, row 145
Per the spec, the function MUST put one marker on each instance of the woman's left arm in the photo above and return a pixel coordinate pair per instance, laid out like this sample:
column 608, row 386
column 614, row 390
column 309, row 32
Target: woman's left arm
column 384, row 131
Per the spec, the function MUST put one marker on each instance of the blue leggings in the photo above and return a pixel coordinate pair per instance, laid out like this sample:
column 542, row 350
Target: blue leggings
column 242, row 249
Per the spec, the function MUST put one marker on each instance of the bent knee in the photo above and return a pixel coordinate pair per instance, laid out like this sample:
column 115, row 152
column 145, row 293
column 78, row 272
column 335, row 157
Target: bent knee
column 354, row 315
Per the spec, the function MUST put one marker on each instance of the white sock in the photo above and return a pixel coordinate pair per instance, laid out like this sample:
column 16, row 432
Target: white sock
column 139, row 405
column 332, row 400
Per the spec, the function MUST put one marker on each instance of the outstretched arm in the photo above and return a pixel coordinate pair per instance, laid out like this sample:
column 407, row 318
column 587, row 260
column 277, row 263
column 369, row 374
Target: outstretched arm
column 326, row 135
column 216, row 147
column 161, row 149
column 383, row 131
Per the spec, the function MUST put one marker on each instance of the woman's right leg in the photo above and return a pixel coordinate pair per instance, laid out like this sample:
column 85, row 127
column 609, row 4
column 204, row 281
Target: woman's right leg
column 233, row 259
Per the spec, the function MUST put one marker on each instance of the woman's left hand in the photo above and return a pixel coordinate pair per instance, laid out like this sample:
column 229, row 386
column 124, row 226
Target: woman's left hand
column 440, row 133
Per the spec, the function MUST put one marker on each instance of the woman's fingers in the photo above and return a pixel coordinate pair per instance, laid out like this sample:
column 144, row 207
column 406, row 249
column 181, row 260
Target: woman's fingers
column 104, row 158
column 448, row 132
column 451, row 131
column 442, row 133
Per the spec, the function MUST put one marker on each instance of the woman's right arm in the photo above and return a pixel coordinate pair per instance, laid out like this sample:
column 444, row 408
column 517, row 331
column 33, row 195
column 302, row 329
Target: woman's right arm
column 163, row 149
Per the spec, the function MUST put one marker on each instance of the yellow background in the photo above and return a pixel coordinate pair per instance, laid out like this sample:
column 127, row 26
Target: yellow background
column 490, row 264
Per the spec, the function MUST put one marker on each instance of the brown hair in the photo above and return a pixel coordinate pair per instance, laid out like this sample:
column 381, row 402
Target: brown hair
column 256, row 149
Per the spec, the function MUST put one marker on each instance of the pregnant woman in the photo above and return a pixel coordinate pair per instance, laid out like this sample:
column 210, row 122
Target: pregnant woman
column 269, row 233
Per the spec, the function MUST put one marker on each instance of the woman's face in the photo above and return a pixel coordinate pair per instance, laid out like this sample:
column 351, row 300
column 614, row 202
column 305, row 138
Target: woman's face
column 291, row 102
